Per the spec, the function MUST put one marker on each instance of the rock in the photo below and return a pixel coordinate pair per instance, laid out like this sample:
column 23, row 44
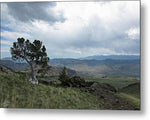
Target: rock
column 109, row 87
column 102, row 87
column 104, row 77
column 102, row 97
column 35, row 82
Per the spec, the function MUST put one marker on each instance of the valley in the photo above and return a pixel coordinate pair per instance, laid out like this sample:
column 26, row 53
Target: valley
column 99, row 75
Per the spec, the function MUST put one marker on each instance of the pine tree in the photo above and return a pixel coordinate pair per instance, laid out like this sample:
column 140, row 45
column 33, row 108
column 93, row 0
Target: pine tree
column 63, row 77
column 33, row 53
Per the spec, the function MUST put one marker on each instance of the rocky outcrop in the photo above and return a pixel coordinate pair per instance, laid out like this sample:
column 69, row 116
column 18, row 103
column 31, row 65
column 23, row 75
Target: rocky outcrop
column 103, row 86
column 75, row 81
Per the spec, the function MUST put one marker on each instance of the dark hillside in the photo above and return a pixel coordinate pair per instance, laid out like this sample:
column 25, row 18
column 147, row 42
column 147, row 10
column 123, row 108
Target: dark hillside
column 13, row 65
column 4, row 69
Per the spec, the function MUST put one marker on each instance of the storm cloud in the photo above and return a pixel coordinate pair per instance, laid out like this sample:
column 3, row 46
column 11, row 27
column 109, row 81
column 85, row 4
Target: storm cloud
column 35, row 11
column 76, row 29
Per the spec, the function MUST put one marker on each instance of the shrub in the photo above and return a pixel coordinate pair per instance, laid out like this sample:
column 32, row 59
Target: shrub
column 76, row 81
column 63, row 77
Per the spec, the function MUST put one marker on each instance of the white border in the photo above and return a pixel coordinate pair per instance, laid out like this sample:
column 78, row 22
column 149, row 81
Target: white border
column 37, row 114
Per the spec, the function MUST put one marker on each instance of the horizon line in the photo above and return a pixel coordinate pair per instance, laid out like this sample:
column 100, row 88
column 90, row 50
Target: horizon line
column 86, row 56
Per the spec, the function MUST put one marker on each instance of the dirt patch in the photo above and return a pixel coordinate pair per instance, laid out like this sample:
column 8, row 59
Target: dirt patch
column 106, row 93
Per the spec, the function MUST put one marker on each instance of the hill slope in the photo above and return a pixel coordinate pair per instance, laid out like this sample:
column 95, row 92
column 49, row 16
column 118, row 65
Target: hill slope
column 13, row 65
column 132, row 89
column 17, row 92
column 99, row 68
column 4, row 69
column 56, row 70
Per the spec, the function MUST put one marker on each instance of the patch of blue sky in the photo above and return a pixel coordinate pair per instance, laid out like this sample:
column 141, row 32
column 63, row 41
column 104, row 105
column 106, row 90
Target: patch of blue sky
column 3, row 38
column 5, row 24
column 3, row 28
column 5, row 45
column 2, row 43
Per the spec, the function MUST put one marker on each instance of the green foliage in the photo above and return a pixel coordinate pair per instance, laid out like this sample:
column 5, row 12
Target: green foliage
column 17, row 92
column 30, row 52
column 63, row 77
column 33, row 53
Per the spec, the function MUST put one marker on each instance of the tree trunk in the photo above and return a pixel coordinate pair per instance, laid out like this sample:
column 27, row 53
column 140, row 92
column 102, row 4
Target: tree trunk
column 34, row 80
column 33, row 74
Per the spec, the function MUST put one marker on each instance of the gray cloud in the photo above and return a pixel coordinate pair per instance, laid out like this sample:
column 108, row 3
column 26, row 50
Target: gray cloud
column 96, row 35
column 35, row 11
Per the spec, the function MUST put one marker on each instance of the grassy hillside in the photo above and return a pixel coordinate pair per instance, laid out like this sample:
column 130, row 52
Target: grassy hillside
column 131, row 94
column 117, row 82
column 17, row 92
column 132, row 89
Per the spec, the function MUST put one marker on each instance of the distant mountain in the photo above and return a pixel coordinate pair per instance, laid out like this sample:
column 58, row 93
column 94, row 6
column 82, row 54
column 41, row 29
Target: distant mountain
column 7, row 58
column 89, row 67
column 99, row 68
column 113, row 57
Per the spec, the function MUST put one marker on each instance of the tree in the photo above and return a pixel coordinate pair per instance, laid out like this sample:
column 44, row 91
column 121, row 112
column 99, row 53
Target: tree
column 63, row 77
column 33, row 53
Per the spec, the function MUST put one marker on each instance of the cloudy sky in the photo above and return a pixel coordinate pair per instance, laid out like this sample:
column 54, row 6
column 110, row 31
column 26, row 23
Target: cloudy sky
column 73, row 29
